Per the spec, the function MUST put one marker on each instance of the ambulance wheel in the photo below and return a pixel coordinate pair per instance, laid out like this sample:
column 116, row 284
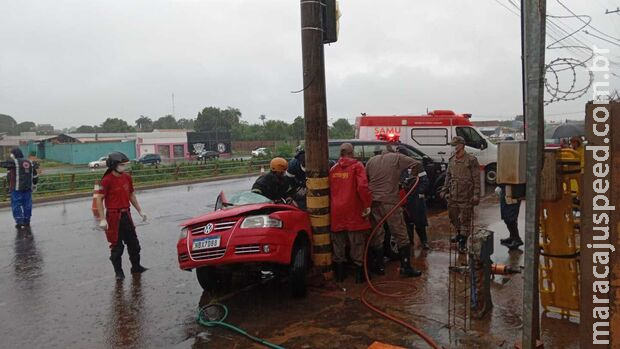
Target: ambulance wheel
column 299, row 268
column 491, row 174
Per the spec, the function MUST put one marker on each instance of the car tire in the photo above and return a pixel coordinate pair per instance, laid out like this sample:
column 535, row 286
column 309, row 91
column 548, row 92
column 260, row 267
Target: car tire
column 213, row 280
column 96, row 165
column 298, row 269
column 490, row 174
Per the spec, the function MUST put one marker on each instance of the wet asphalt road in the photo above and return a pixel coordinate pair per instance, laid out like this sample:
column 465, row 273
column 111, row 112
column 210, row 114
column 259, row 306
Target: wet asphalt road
column 57, row 288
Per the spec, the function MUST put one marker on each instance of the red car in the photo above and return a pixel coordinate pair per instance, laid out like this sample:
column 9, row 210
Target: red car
column 248, row 233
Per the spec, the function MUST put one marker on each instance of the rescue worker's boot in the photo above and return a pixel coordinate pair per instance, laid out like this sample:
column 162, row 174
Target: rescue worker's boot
column 405, row 263
column 516, row 241
column 360, row 276
column 463, row 244
column 377, row 265
column 339, row 272
column 116, row 258
column 136, row 268
column 423, row 238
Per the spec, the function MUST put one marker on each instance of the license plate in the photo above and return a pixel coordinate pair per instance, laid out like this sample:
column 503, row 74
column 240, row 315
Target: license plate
column 205, row 243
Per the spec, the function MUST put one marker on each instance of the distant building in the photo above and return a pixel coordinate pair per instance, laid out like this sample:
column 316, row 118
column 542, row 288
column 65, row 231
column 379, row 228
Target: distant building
column 169, row 144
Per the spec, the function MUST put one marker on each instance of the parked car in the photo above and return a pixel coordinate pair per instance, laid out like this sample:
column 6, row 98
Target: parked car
column 98, row 163
column 249, row 234
column 152, row 159
column 208, row 155
column 365, row 149
column 261, row 152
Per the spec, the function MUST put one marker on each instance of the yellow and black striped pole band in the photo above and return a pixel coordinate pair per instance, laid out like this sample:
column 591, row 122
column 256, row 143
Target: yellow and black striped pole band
column 317, row 201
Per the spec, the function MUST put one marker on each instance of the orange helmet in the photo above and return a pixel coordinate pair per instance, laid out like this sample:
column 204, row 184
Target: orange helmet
column 278, row 164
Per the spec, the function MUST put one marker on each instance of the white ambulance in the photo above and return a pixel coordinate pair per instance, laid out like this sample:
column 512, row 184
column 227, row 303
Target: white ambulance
column 432, row 134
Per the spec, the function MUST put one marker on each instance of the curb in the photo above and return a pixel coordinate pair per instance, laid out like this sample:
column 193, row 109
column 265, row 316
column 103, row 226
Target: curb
column 142, row 187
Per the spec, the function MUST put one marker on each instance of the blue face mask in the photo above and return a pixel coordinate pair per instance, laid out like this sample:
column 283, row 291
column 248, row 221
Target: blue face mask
column 121, row 168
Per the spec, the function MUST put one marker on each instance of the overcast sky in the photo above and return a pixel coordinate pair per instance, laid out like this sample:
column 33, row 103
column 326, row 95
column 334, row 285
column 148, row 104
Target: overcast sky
column 78, row 62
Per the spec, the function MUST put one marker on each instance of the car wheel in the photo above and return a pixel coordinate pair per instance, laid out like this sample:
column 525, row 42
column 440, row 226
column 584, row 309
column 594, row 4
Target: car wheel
column 491, row 174
column 96, row 165
column 298, row 269
column 213, row 280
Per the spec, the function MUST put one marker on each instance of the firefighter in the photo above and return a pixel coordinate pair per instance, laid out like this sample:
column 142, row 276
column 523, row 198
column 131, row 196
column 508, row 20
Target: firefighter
column 415, row 207
column 116, row 191
column 577, row 145
column 384, row 173
column 274, row 184
column 461, row 190
column 510, row 215
column 296, row 176
column 23, row 178
column 350, row 206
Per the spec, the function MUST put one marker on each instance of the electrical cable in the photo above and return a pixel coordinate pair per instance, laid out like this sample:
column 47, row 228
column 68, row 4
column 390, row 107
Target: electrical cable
column 220, row 322
column 373, row 286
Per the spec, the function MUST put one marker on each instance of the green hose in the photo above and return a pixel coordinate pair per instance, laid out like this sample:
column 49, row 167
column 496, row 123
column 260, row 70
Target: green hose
column 220, row 322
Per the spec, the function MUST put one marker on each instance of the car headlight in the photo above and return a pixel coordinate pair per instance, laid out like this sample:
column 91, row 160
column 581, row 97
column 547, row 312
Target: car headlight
column 443, row 167
column 183, row 234
column 262, row 221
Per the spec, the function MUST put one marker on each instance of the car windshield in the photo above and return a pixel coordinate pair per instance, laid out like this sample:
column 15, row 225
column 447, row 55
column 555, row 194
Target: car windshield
column 247, row 198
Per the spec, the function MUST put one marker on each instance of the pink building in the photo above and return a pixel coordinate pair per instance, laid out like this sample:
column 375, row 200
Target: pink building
column 169, row 144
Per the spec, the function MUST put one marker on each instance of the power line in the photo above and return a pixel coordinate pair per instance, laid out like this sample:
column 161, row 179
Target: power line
column 587, row 23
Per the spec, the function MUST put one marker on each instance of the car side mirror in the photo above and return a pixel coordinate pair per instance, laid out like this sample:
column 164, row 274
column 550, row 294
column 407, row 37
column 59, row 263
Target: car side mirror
column 220, row 202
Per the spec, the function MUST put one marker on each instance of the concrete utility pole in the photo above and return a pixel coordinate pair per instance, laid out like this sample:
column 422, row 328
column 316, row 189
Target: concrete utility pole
column 315, row 114
column 533, row 22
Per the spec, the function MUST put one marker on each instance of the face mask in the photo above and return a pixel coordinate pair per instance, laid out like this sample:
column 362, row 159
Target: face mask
column 453, row 149
column 121, row 168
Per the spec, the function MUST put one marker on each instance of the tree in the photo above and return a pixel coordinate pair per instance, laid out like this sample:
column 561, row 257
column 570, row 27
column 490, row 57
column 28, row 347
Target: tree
column 186, row 124
column 26, row 126
column 341, row 129
column 166, row 122
column 144, row 124
column 8, row 124
column 85, row 129
column 213, row 118
column 298, row 128
column 277, row 130
column 262, row 118
column 115, row 125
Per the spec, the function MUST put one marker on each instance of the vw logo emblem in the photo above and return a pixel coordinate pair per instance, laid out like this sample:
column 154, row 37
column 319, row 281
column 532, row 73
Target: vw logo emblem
column 208, row 228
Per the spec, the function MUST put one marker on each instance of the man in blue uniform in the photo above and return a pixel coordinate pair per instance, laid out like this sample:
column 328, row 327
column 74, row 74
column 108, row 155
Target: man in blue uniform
column 23, row 178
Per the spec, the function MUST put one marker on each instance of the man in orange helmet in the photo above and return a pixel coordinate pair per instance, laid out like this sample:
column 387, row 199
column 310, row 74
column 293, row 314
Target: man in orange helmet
column 274, row 185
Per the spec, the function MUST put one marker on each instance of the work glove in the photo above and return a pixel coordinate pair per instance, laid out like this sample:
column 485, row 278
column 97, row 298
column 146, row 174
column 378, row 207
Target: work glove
column 475, row 200
column 366, row 212
column 103, row 224
column 498, row 191
column 143, row 215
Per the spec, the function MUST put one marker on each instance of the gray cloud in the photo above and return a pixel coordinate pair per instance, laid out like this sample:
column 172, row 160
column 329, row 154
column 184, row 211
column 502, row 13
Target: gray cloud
column 78, row 62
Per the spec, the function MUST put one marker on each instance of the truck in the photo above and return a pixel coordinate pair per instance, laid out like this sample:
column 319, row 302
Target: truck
column 432, row 133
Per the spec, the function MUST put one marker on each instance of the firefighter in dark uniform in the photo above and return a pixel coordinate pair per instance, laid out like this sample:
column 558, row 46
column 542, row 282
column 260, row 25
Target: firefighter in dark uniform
column 274, row 185
column 116, row 191
column 462, row 191
column 296, row 175
column 415, row 207
column 23, row 178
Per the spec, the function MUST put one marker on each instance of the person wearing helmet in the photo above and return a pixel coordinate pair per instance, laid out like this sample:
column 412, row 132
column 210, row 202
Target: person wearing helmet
column 23, row 178
column 274, row 185
column 116, row 191
column 296, row 175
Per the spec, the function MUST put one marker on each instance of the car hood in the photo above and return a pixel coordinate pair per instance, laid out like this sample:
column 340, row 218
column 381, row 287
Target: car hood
column 236, row 211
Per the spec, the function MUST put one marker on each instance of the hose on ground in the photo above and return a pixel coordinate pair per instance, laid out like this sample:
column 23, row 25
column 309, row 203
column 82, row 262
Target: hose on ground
column 373, row 286
column 202, row 313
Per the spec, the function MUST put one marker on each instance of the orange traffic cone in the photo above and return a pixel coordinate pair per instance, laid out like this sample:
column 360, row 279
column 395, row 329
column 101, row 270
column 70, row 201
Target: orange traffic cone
column 94, row 205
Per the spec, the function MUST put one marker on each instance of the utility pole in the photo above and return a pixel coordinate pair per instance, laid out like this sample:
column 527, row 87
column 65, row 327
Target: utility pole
column 315, row 115
column 533, row 22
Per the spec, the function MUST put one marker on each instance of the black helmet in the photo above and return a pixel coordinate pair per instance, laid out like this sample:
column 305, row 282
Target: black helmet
column 116, row 158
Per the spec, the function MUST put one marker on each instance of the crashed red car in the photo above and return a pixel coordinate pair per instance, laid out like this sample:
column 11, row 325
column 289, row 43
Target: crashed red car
column 248, row 233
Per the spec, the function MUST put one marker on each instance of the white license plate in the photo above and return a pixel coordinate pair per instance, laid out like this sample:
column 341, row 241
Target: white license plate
column 205, row 243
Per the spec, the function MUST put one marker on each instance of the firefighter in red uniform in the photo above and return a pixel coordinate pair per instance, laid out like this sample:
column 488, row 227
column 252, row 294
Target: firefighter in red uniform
column 350, row 202
column 116, row 190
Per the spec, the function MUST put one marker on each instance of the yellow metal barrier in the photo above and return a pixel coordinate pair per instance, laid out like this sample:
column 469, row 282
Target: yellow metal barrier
column 559, row 238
